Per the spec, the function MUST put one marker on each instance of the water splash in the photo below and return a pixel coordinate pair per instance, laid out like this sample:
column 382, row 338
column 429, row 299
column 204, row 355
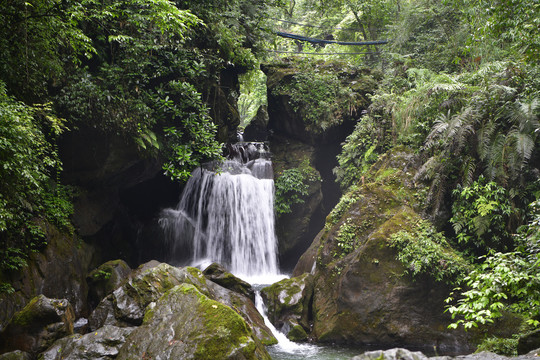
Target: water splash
column 226, row 215
column 284, row 344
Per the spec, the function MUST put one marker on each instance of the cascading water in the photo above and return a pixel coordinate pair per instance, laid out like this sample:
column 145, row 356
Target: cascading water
column 226, row 215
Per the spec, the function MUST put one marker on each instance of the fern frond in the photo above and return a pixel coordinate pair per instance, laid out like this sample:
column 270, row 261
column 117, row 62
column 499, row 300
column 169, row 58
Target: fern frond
column 524, row 145
column 439, row 127
column 468, row 170
column 485, row 136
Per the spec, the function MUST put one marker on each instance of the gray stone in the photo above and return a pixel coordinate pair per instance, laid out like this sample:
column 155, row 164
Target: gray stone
column 103, row 343
column 218, row 274
column 529, row 342
column 288, row 305
column 105, row 279
column 186, row 324
column 41, row 322
column 16, row 355
column 391, row 354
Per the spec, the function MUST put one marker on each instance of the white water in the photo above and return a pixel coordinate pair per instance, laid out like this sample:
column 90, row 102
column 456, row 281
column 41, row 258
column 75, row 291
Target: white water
column 284, row 345
column 227, row 217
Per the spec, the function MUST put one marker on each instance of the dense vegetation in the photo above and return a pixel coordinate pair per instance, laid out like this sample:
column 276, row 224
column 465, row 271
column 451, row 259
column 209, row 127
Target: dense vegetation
column 461, row 89
column 460, row 86
column 135, row 69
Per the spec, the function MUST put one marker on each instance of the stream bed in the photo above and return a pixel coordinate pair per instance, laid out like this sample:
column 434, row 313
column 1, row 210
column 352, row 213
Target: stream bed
column 312, row 352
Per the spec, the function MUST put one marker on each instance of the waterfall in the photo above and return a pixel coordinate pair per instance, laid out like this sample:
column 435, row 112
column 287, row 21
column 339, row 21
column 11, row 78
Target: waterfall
column 226, row 215
column 284, row 345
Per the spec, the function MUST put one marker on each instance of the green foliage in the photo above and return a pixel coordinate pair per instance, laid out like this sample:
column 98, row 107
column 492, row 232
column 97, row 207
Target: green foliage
column 504, row 282
column 480, row 215
column 431, row 34
column 510, row 24
column 346, row 201
column 28, row 195
column 423, row 250
column 292, row 185
column 102, row 274
column 319, row 97
column 501, row 346
column 346, row 238
column 359, row 152
column 252, row 95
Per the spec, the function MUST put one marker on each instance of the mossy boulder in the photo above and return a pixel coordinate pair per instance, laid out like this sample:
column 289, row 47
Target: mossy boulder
column 103, row 343
column 105, row 279
column 126, row 306
column 59, row 271
column 16, row 355
column 288, row 302
column 41, row 322
column 218, row 274
column 187, row 324
column 362, row 293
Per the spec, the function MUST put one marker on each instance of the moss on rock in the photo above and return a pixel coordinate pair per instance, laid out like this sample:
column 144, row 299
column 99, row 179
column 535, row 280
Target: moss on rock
column 187, row 324
column 362, row 292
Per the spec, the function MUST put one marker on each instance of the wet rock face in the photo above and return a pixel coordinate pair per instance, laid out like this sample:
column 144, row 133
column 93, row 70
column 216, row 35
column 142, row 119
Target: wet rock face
column 186, row 324
column 101, row 344
column 106, row 278
column 292, row 141
column 41, row 322
column 289, row 305
column 218, row 274
column 16, row 355
column 362, row 293
column 257, row 130
column 296, row 230
column 47, row 275
column 529, row 342
column 134, row 302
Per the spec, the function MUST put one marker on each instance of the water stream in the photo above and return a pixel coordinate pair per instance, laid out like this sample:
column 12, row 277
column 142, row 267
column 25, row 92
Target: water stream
column 226, row 215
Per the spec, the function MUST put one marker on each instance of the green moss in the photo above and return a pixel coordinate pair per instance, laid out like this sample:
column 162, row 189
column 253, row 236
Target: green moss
column 297, row 333
column 229, row 328
column 27, row 315
column 422, row 250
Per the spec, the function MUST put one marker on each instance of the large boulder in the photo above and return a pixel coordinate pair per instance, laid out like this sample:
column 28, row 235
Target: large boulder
column 59, row 271
column 288, row 302
column 41, row 322
column 127, row 305
column 186, row 324
column 103, row 343
column 362, row 293
column 218, row 274
column 105, row 279
column 529, row 342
